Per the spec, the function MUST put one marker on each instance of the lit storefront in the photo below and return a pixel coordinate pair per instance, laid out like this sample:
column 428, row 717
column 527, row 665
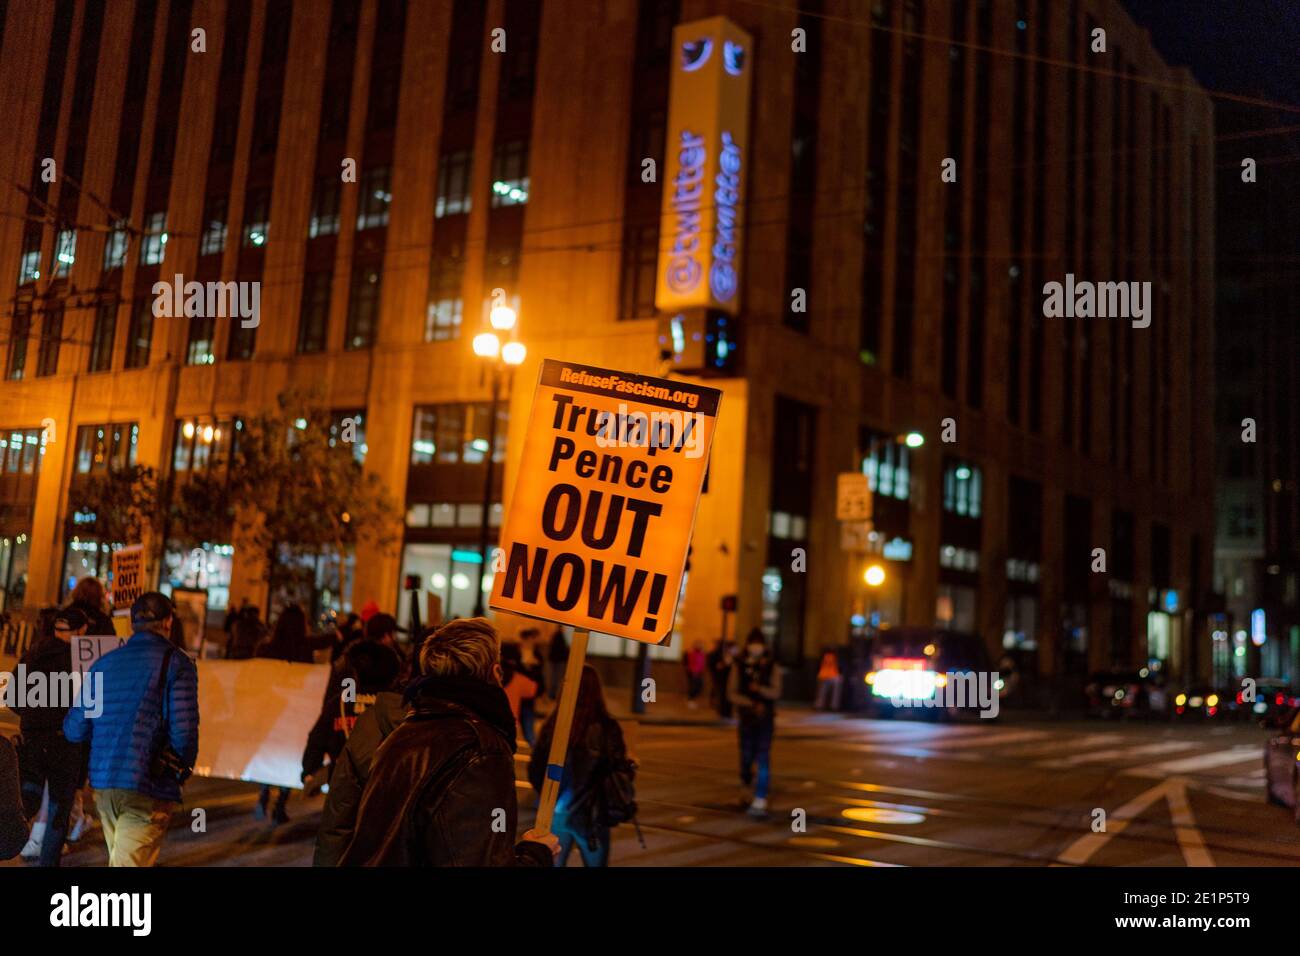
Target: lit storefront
column 21, row 453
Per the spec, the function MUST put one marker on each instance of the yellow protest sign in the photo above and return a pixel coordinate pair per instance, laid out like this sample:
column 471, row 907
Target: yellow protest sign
column 128, row 575
column 600, row 521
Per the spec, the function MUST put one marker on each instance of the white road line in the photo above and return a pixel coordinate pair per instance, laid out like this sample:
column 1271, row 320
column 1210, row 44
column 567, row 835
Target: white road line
column 1242, row 753
column 1118, row 753
column 1063, row 743
column 1189, row 837
column 989, row 739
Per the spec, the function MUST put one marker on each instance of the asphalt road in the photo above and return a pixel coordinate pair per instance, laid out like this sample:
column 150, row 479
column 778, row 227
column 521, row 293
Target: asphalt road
column 878, row 793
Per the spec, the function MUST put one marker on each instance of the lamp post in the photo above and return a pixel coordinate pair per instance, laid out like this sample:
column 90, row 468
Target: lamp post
column 500, row 358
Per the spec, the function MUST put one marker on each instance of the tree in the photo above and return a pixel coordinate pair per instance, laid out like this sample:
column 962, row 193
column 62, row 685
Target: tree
column 121, row 506
column 293, row 489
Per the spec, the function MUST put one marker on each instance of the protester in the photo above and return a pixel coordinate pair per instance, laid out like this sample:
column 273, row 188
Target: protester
column 830, row 682
column 441, row 791
column 374, row 669
column 13, row 821
column 246, row 633
column 754, row 689
column 521, row 690
column 696, row 662
column 596, row 749
column 232, row 615
column 49, row 763
column 351, row 770
column 557, row 656
column 88, row 597
column 288, row 642
column 149, row 724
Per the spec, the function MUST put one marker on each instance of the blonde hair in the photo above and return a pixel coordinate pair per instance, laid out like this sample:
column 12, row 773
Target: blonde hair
column 467, row 647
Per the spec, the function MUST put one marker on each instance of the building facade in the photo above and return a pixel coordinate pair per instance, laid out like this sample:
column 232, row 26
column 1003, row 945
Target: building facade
column 502, row 145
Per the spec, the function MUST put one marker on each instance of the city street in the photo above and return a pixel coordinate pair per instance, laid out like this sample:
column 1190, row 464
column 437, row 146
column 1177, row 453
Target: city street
column 877, row 793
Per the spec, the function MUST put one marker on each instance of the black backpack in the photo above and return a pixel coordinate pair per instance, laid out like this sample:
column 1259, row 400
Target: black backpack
column 609, row 797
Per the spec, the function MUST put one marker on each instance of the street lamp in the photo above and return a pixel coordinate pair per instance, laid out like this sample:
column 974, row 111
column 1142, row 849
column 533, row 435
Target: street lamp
column 502, row 358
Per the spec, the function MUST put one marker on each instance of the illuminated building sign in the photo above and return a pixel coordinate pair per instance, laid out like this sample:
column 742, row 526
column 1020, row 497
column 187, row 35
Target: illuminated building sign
column 705, row 169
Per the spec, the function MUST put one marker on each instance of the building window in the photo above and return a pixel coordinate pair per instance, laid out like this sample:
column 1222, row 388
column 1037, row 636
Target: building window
column 324, row 208
column 443, row 315
column 47, row 361
column 314, row 316
column 29, row 266
column 199, row 348
column 961, row 489
column 363, row 307
column 115, row 249
column 257, row 218
column 213, row 238
column 101, row 341
column 101, row 448
column 456, row 434
column 20, row 328
column 65, row 251
column 886, row 466
column 153, row 245
column 454, row 171
column 640, row 262
column 200, row 444
column 372, row 204
column 139, row 334
column 510, row 173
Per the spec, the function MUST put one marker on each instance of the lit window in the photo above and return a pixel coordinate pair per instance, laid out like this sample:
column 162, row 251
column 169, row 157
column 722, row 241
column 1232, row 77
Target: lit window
column 153, row 245
column 65, row 251
column 510, row 174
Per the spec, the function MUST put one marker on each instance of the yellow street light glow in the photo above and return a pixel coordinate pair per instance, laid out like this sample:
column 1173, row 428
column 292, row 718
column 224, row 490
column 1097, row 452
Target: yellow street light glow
column 874, row 576
column 207, row 433
column 1213, row 700
column 502, row 317
column 871, row 677
column 513, row 353
column 188, row 429
column 487, row 345
column 1180, row 699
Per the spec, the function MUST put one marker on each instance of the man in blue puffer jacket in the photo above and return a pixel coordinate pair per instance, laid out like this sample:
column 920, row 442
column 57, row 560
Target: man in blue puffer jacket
column 137, row 710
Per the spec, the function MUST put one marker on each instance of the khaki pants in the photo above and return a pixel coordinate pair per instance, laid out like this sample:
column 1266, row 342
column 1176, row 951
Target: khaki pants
column 134, row 826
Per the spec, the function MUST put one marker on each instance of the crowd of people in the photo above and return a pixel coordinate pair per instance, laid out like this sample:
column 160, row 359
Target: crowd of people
column 422, row 731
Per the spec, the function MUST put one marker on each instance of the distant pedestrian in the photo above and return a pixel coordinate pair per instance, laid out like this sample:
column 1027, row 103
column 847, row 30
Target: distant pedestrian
column 146, row 738
column 696, row 663
column 557, row 657
column 441, row 776
column 88, row 597
column 596, row 787
column 52, row 767
column 755, row 688
column 830, row 682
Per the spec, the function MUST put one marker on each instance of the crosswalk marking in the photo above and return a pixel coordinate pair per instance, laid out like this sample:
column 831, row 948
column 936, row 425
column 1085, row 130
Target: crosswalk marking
column 1221, row 758
column 1118, row 753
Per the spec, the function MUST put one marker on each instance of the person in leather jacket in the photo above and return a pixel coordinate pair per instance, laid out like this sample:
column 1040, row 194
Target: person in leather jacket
column 441, row 790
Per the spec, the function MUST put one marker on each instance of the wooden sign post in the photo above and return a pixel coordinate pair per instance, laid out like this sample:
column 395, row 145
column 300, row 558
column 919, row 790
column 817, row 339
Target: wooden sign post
column 563, row 724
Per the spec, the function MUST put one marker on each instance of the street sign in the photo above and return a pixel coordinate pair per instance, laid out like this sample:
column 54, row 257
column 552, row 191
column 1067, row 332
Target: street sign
column 852, row 497
column 128, row 575
column 601, row 516
column 855, row 536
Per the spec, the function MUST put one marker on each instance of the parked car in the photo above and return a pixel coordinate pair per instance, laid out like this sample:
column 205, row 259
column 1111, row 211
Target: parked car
column 1282, row 762
column 1124, row 693
column 928, row 673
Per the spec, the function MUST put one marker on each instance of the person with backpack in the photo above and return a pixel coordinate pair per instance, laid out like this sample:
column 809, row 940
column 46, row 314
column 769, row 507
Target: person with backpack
column 145, row 737
column 596, row 790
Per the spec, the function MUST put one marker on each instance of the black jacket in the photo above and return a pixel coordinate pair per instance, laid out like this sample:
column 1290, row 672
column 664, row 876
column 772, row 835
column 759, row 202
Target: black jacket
column 351, row 771
column 437, row 782
column 53, row 658
column 99, row 623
